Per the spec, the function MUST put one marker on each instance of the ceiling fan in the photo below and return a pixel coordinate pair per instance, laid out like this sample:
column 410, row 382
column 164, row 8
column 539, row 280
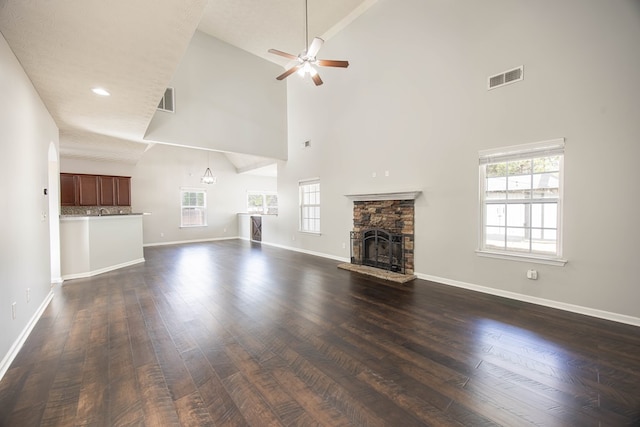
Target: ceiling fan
column 307, row 58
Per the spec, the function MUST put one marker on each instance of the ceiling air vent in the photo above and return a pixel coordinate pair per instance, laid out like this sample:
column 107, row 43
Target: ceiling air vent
column 506, row 78
column 167, row 102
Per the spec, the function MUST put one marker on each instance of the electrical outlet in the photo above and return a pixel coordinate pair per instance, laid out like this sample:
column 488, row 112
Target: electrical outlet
column 386, row 173
column 373, row 174
column 28, row 294
column 344, row 245
column 13, row 311
column 532, row 275
column 293, row 237
column 161, row 234
column 224, row 230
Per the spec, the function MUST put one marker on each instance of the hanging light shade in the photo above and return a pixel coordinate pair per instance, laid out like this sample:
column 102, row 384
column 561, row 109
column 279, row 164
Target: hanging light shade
column 208, row 177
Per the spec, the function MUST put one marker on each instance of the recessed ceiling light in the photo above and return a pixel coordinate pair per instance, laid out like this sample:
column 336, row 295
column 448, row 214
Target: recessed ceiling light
column 100, row 91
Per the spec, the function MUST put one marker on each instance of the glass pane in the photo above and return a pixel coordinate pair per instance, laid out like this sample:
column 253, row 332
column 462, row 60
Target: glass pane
column 536, row 215
column 254, row 203
column 519, row 187
column 496, row 169
column 550, row 215
column 546, row 185
column 494, row 237
column 496, row 184
column 516, row 215
column 495, row 214
column 546, row 242
column 519, row 167
column 272, row 200
column 536, row 234
column 517, row 239
column 496, row 188
column 546, row 164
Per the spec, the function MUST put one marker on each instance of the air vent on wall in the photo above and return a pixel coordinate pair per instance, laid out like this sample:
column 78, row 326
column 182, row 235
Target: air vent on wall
column 167, row 102
column 511, row 76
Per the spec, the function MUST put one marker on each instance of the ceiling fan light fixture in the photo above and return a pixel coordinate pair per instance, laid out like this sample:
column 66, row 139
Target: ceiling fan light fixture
column 307, row 59
column 307, row 68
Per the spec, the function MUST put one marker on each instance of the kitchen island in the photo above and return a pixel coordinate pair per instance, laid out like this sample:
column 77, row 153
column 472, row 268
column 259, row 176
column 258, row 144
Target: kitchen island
column 94, row 244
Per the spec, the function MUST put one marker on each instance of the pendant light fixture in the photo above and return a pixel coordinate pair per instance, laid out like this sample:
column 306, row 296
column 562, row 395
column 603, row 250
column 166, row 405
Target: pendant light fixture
column 208, row 177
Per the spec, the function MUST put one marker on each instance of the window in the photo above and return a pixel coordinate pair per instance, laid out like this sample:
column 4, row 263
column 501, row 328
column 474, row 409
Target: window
column 262, row 202
column 193, row 208
column 310, row 206
column 521, row 201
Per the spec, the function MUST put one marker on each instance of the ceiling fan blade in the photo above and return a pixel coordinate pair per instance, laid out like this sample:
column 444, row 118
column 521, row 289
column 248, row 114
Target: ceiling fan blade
column 281, row 53
column 314, row 47
column 316, row 79
column 332, row 63
column 289, row 72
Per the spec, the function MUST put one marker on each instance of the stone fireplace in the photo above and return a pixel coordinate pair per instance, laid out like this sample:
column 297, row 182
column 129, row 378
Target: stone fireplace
column 383, row 231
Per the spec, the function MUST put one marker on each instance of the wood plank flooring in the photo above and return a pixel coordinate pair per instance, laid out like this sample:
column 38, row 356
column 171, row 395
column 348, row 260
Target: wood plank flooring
column 232, row 334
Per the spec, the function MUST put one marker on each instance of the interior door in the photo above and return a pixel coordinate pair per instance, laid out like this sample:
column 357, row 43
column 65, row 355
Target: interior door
column 256, row 228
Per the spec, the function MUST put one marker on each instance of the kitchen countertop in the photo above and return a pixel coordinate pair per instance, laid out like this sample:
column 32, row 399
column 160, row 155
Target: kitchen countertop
column 71, row 217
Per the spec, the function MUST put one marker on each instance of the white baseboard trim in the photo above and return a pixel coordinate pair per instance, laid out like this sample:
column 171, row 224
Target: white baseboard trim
column 620, row 318
column 180, row 242
column 17, row 345
column 101, row 270
column 56, row 280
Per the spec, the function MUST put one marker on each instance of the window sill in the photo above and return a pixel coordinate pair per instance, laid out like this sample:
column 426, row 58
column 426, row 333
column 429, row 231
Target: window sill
column 524, row 258
column 193, row 226
column 313, row 233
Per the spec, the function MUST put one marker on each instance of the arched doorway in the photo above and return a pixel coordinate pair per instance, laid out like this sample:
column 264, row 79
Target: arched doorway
column 53, row 193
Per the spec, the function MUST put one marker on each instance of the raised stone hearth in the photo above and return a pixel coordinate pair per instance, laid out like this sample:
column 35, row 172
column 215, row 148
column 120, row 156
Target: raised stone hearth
column 378, row 272
column 389, row 218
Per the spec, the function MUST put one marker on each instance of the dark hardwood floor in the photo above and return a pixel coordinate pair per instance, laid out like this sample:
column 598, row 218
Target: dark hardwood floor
column 232, row 333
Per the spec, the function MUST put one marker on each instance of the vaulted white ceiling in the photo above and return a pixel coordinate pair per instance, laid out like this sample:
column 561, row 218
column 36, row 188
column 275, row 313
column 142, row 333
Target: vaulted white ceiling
column 132, row 49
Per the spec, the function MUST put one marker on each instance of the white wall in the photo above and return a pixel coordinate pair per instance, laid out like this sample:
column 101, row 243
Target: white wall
column 95, row 167
column 26, row 130
column 164, row 169
column 226, row 100
column 414, row 102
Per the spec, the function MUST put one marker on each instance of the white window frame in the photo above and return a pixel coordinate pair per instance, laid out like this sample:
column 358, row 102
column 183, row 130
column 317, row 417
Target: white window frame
column 265, row 207
column 196, row 206
column 309, row 223
column 553, row 147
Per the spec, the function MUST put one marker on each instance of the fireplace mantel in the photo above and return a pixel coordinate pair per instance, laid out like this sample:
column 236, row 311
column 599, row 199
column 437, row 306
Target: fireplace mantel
column 370, row 197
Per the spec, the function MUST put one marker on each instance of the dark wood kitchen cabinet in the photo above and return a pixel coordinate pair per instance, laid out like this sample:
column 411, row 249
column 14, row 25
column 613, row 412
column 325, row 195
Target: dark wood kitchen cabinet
column 68, row 193
column 94, row 190
column 123, row 190
column 87, row 190
column 107, row 190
